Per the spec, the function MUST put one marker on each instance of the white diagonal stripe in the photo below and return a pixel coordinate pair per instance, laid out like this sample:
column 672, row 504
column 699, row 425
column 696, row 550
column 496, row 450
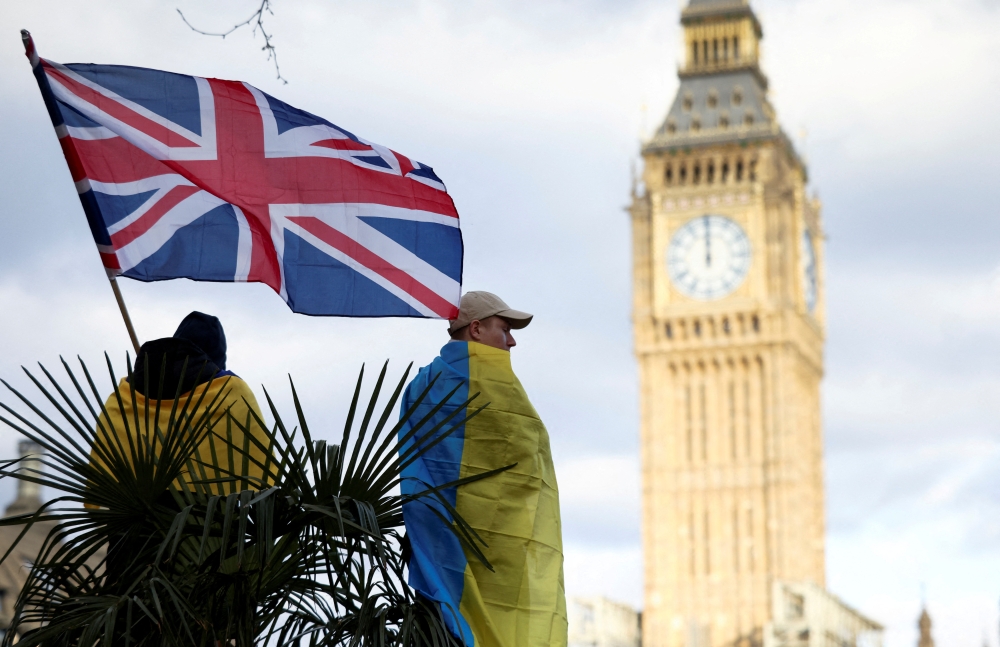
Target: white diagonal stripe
column 370, row 210
column 183, row 214
column 344, row 218
column 364, row 270
column 205, row 150
column 244, row 246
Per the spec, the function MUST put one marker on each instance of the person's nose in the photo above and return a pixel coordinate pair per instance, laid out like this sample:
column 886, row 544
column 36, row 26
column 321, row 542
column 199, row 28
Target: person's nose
column 510, row 341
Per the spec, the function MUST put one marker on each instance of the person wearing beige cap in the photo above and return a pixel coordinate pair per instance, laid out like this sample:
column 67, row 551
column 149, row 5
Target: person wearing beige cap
column 483, row 317
column 519, row 599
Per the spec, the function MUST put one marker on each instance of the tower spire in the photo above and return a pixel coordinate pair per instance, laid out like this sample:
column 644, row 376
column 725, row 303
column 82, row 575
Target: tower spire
column 720, row 35
column 924, row 624
column 722, row 97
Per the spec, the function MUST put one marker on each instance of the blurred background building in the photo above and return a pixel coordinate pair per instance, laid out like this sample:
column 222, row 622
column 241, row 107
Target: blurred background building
column 14, row 570
column 805, row 615
column 600, row 622
column 729, row 327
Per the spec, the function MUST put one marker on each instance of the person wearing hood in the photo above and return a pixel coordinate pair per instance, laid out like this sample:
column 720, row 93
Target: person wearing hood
column 187, row 373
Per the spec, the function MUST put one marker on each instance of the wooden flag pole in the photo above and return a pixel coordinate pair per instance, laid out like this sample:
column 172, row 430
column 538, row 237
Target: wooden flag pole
column 128, row 320
column 32, row 54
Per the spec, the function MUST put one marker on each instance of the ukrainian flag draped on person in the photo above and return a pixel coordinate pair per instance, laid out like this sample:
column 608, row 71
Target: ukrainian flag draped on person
column 516, row 512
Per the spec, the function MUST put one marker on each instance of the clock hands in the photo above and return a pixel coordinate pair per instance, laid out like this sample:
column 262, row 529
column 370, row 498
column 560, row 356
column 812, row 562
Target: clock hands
column 708, row 245
column 690, row 266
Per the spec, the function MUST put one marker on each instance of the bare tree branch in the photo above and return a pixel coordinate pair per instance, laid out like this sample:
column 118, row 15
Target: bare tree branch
column 257, row 21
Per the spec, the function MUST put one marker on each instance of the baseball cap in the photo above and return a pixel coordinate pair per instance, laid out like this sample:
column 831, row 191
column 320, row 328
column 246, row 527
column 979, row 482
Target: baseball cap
column 480, row 305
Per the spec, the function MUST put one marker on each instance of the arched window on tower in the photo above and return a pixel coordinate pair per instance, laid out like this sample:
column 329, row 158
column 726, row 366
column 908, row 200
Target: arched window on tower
column 753, row 170
column 710, row 172
column 695, row 179
column 739, row 170
column 708, row 547
column 715, row 50
column 703, row 422
column 725, row 178
column 688, row 418
column 668, row 175
column 725, row 49
column 694, row 51
column 736, row 47
column 704, row 50
column 682, row 174
column 736, row 538
column 732, row 419
column 691, row 557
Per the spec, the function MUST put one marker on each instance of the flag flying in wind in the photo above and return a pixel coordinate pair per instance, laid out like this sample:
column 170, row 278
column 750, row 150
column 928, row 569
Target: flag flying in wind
column 182, row 176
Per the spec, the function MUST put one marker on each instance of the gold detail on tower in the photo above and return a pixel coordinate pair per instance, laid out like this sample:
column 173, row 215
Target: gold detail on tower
column 730, row 351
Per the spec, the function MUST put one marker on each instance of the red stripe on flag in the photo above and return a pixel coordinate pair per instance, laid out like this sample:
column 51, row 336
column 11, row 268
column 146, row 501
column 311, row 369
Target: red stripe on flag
column 112, row 160
column 73, row 160
column 110, row 261
column 343, row 145
column 379, row 265
column 120, row 112
column 329, row 181
column 405, row 165
column 145, row 222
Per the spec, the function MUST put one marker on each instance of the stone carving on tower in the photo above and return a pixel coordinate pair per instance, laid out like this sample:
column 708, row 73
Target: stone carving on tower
column 729, row 323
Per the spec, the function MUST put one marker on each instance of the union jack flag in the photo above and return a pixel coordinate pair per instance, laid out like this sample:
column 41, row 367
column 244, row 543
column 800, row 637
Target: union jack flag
column 187, row 177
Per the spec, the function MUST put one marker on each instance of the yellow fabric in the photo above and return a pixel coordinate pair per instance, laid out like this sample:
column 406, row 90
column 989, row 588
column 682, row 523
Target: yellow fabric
column 236, row 395
column 522, row 604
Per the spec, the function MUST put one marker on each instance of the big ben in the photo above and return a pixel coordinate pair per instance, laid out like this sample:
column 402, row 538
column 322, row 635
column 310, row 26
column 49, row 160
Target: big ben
column 729, row 321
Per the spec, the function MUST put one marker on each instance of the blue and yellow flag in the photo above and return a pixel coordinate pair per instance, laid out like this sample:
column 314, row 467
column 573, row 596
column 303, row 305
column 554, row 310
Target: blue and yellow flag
column 516, row 512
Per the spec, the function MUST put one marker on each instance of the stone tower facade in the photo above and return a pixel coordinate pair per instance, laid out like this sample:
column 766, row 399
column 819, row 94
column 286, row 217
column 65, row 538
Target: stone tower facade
column 729, row 327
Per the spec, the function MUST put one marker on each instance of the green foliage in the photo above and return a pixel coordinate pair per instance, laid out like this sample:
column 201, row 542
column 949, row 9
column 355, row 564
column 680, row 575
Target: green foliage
column 309, row 554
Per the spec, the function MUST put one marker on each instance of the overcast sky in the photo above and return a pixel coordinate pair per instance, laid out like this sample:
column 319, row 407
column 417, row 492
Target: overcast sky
column 532, row 112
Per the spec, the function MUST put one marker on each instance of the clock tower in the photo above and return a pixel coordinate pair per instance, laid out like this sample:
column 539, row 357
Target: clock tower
column 729, row 323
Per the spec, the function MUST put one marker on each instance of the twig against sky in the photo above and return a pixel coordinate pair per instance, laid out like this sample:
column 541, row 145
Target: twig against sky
column 257, row 21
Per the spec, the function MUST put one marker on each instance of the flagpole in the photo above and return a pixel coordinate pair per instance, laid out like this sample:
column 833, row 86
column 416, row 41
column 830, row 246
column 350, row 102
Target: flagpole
column 32, row 54
column 128, row 320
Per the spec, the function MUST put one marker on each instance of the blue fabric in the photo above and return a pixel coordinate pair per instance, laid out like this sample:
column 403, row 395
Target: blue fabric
column 428, row 240
column 184, row 254
column 171, row 96
column 437, row 568
column 317, row 283
column 114, row 208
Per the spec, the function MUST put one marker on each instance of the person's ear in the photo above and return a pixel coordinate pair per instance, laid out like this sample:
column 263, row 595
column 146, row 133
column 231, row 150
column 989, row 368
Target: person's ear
column 474, row 331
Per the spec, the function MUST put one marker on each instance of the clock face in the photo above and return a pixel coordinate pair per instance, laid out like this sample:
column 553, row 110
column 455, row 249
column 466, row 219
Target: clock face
column 708, row 257
column 808, row 270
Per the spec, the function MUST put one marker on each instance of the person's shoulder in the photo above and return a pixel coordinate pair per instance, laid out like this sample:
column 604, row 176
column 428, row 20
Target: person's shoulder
column 233, row 384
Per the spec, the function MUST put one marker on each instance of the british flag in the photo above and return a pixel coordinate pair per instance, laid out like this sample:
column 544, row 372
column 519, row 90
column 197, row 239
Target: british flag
column 187, row 177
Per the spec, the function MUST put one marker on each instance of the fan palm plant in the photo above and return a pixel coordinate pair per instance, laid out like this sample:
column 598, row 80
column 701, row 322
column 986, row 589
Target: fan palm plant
column 145, row 550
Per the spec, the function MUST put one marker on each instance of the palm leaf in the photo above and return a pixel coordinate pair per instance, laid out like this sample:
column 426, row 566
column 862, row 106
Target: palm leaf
column 307, row 553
